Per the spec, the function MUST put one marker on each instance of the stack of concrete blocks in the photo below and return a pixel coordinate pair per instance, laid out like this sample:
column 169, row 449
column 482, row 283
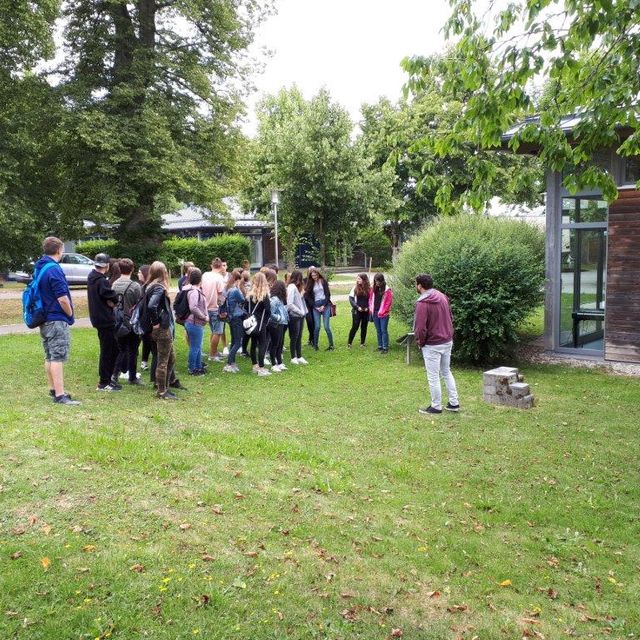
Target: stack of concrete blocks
column 506, row 386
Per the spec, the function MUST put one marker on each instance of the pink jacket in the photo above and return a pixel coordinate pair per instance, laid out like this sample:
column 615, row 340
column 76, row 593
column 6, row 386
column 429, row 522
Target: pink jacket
column 197, row 306
column 385, row 305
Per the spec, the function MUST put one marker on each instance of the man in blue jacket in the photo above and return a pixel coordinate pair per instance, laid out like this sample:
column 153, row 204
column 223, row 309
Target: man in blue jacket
column 56, row 302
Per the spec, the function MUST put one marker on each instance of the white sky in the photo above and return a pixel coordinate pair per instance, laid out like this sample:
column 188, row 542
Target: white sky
column 351, row 47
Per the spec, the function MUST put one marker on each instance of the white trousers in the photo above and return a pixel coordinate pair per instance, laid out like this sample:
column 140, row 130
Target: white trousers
column 437, row 361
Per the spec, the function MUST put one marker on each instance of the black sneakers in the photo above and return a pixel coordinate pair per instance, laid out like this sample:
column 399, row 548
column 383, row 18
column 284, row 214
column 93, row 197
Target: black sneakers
column 452, row 407
column 176, row 384
column 167, row 395
column 65, row 398
column 429, row 410
column 108, row 387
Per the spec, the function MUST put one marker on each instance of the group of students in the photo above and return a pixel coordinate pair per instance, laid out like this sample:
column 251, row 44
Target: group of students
column 129, row 309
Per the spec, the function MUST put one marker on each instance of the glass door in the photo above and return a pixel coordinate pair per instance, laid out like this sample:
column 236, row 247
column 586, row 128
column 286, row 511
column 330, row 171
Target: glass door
column 583, row 274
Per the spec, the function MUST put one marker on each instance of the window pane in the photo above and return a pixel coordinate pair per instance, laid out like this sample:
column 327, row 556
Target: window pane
column 592, row 210
column 631, row 170
column 568, row 210
column 582, row 301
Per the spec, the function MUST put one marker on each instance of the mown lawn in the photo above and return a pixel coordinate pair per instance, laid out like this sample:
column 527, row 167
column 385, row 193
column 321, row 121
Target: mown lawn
column 316, row 504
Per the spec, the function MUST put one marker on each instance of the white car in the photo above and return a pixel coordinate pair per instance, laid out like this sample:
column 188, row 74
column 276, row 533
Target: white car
column 75, row 266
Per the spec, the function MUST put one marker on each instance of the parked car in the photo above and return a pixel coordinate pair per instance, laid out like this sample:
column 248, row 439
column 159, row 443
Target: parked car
column 75, row 267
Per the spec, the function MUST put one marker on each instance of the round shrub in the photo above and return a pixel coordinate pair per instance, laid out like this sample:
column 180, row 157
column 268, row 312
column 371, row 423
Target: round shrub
column 491, row 269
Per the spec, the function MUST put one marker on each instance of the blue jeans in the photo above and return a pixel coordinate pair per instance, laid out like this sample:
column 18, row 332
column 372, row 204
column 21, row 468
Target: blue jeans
column 237, row 333
column 381, row 331
column 195, row 333
column 325, row 316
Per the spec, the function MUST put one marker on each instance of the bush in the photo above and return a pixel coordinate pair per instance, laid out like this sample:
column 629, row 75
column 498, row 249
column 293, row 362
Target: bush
column 173, row 252
column 491, row 269
column 90, row 248
column 233, row 248
column 376, row 244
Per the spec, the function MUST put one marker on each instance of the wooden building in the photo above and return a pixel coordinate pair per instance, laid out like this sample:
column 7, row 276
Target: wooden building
column 592, row 287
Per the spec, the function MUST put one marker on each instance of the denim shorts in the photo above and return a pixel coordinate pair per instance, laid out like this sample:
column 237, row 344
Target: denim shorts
column 56, row 340
column 217, row 326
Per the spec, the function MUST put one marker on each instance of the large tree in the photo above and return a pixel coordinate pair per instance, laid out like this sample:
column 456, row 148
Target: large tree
column 550, row 58
column 306, row 149
column 151, row 91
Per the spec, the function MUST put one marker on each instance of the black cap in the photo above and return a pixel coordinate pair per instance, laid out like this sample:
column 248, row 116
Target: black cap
column 101, row 260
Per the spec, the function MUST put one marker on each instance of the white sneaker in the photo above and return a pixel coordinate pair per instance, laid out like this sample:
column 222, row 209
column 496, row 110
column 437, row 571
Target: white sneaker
column 276, row 368
column 255, row 368
column 283, row 367
column 302, row 361
column 263, row 372
column 267, row 362
column 225, row 351
column 295, row 361
column 144, row 366
column 236, row 368
column 228, row 368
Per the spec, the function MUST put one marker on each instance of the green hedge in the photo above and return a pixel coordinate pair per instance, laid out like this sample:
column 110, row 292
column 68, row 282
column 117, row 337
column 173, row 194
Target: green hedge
column 491, row 269
column 233, row 248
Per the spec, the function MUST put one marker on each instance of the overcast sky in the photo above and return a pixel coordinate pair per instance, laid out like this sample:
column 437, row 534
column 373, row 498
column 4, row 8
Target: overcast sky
column 351, row 47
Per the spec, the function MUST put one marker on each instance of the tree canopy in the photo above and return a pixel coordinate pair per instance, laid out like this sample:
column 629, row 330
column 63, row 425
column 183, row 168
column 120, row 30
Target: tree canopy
column 585, row 55
column 146, row 98
column 305, row 148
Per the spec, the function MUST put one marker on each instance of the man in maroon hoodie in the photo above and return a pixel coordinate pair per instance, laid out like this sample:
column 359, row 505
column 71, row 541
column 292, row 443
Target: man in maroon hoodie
column 433, row 327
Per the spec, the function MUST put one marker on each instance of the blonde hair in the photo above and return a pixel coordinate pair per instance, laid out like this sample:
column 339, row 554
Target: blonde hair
column 158, row 274
column 186, row 267
column 260, row 288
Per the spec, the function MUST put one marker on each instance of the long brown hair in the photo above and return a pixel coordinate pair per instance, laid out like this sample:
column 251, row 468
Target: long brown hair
column 311, row 281
column 363, row 288
column 236, row 280
column 158, row 274
column 379, row 283
column 295, row 278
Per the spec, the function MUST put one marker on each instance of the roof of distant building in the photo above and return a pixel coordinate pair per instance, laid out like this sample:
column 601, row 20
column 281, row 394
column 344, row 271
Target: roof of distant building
column 194, row 217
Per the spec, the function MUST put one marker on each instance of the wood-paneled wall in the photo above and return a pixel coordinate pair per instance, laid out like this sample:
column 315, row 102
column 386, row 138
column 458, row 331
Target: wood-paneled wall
column 622, row 311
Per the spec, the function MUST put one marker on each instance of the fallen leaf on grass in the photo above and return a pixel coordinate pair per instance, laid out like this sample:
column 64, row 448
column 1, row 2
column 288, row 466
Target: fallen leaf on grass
column 16, row 555
column 89, row 548
column 137, row 568
column 251, row 554
column 46, row 529
column 505, row 583
column 530, row 621
column 238, row 496
column 347, row 594
column 553, row 562
column 17, row 531
column 77, row 529
column 11, row 614
column 217, row 509
column 456, row 608
column 350, row 614
column 433, row 594
column 185, row 526
column 207, row 558
column 202, row 601
column 46, row 563
column 551, row 593
column 396, row 633
column 33, row 520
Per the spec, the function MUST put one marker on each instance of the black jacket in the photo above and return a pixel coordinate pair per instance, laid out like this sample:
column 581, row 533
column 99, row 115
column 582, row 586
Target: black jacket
column 308, row 295
column 159, row 306
column 261, row 310
column 99, row 294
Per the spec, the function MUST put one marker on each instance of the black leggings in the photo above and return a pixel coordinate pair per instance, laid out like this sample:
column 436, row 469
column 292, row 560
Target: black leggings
column 276, row 334
column 359, row 319
column 259, row 340
column 311, row 325
column 295, row 336
column 128, row 355
column 147, row 345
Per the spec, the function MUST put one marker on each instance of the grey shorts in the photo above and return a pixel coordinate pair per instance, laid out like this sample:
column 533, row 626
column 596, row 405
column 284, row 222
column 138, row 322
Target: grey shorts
column 217, row 326
column 56, row 340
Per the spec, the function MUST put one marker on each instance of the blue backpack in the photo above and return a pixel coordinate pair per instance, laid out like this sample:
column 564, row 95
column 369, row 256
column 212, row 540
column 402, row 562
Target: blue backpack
column 33, row 312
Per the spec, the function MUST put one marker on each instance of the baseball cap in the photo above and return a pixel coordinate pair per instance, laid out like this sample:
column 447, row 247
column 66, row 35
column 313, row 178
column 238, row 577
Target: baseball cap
column 101, row 260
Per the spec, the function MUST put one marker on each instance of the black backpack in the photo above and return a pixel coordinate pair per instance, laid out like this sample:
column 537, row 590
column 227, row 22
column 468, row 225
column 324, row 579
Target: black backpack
column 181, row 306
column 122, row 316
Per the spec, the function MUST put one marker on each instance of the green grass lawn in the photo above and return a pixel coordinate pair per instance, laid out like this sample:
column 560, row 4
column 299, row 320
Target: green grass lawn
column 316, row 504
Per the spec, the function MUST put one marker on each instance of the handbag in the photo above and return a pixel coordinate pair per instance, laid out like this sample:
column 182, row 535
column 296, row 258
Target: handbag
column 333, row 311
